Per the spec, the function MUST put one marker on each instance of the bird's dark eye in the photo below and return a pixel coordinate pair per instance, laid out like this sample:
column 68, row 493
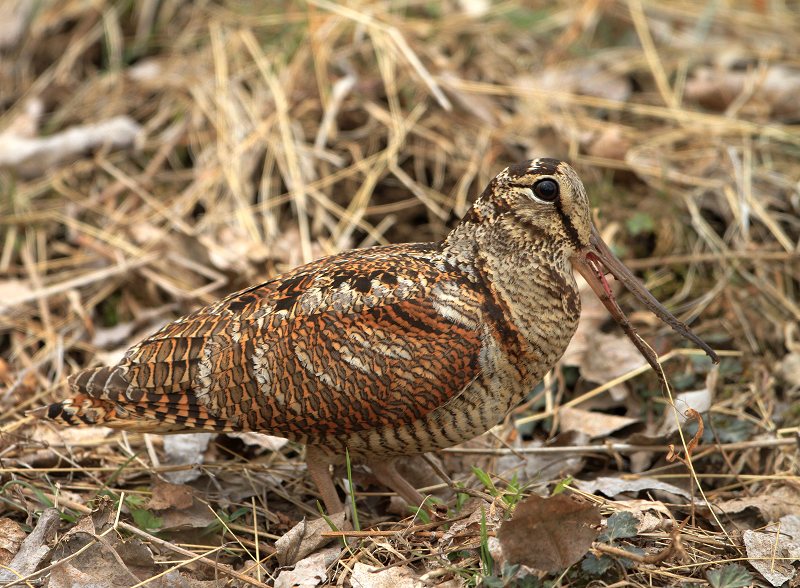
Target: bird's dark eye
column 546, row 190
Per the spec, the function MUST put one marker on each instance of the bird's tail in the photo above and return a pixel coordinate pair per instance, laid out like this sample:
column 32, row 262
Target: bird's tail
column 96, row 401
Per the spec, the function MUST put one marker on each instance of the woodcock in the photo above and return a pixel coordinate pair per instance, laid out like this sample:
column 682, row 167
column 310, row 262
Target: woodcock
column 386, row 351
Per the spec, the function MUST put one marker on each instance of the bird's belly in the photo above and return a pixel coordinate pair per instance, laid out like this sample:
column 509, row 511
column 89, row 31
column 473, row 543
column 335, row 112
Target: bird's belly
column 478, row 408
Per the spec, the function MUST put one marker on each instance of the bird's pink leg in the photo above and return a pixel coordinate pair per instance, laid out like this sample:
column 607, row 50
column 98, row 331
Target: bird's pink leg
column 319, row 469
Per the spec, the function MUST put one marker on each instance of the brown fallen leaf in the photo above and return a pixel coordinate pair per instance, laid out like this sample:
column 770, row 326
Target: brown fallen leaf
column 465, row 534
column 696, row 400
column 771, row 90
column 305, row 538
column 549, row 534
column 11, row 538
column 610, row 143
column 96, row 556
column 166, row 495
column 772, row 503
column 594, row 424
column 177, row 507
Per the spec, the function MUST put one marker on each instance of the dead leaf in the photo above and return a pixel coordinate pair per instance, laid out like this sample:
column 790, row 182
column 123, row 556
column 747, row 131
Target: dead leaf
column 11, row 538
column 541, row 468
column 197, row 516
column 178, row 508
column 167, row 495
column 593, row 78
column 306, row 537
column 549, row 534
column 50, row 435
column 14, row 21
column 267, row 442
column 789, row 526
column 466, row 532
column 185, row 449
column 33, row 156
column 311, row 571
column 14, row 291
column 772, row 555
column 649, row 513
column 612, row 486
column 593, row 315
column 772, row 504
column 789, row 369
column 611, row 356
column 696, row 400
column 34, row 547
column 594, row 424
column 364, row 576
column 610, row 143
column 772, row 90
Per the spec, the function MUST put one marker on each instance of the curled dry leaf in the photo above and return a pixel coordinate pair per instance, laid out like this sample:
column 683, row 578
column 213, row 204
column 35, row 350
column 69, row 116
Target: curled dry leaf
column 789, row 369
column 14, row 20
column 309, row 572
column 465, row 534
column 549, row 534
column 610, row 143
column 612, row 356
column 698, row 401
column 305, row 538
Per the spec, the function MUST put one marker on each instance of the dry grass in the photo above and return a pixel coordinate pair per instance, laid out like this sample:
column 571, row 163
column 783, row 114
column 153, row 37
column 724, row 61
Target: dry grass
column 272, row 134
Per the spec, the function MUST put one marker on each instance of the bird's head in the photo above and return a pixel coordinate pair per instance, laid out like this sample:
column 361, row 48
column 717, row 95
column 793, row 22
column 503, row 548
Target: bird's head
column 545, row 200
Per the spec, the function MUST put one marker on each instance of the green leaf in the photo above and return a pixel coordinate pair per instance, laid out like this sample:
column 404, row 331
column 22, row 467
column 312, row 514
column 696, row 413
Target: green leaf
column 629, row 563
column 562, row 485
column 596, row 566
column 730, row 576
column 620, row 525
column 640, row 223
column 485, row 479
column 486, row 556
column 356, row 523
column 525, row 18
column 146, row 520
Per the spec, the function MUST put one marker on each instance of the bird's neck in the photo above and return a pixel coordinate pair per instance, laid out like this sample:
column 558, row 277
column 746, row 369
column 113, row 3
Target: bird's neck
column 528, row 275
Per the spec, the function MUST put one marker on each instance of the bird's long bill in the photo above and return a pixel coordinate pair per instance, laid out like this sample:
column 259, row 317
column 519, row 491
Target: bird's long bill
column 594, row 262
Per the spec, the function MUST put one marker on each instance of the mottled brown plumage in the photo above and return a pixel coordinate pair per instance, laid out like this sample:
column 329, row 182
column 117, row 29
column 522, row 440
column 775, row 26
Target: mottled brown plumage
column 385, row 351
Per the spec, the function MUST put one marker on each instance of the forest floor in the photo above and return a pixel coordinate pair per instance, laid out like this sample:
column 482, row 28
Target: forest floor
column 156, row 155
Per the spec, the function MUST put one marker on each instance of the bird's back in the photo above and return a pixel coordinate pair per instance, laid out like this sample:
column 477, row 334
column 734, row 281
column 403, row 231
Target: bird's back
column 362, row 340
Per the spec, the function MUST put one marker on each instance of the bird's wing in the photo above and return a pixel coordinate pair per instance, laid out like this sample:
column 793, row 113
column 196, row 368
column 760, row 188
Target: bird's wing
column 359, row 341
